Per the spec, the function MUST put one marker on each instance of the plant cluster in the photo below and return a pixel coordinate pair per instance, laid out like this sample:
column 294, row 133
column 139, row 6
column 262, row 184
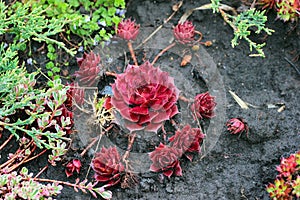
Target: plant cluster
column 144, row 99
column 287, row 183
column 23, row 186
column 93, row 21
column 41, row 20
column 287, row 10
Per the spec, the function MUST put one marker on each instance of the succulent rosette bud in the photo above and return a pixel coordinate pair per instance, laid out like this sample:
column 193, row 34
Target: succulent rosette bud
column 127, row 29
column 72, row 166
column 203, row 106
column 145, row 97
column 188, row 140
column 237, row 125
column 107, row 166
column 89, row 69
column 288, row 9
column 75, row 93
column 165, row 159
column 184, row 32
column 288, row 166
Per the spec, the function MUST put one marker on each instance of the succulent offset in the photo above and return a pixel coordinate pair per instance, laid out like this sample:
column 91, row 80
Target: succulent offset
column 166, row 159
column 203, row 106
column 107, row 166
column 89, row 69
column 145, row 97
column 185, row 32
column 188, row 140
column 288, row 9
column 127, row 29
column 237, row 125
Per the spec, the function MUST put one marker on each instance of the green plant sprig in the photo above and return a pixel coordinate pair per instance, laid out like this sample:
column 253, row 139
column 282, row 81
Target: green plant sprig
column 242, row 24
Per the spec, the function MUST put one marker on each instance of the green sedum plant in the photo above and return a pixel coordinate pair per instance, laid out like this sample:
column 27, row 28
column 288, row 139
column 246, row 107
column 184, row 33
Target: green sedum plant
column 93, row 21
column 25, row 109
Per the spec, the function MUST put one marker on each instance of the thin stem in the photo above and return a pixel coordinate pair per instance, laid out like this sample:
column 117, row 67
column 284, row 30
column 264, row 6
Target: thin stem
column 89, row 146
column 132, row 52
column 184, row 99
column 34, row 157
column 131, row 139
column 41, row 171
column 110, row 74
column 162, row 52
column 7, row 141
column 22, row 162
column 158, row 28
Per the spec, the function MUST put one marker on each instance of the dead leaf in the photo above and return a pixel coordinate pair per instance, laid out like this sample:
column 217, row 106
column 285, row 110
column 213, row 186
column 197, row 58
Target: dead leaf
column 185, row 60
column 176, row 6
column 241, row 103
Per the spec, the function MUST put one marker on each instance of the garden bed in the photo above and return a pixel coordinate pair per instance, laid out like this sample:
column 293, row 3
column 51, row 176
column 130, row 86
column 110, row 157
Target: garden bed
column 230, row 167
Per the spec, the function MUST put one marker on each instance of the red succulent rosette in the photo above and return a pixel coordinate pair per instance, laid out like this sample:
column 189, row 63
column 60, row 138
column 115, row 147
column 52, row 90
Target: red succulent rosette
column 237, row 125
column 72, row 166
column 75, row 93
column 188, row 140
column 288, row 166
column 145, row 97
column 184, row 32
column 107, row 166
column 127, row 29
column 165, row 159
column 89, row 69
column 203, row 106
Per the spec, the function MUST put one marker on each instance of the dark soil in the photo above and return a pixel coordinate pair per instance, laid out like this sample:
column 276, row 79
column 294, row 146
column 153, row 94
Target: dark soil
column 231, row 167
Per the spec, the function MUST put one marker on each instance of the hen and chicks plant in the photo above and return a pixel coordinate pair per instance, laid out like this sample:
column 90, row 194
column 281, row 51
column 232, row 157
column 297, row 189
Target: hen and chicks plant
column 144, row 99
column 287, row 182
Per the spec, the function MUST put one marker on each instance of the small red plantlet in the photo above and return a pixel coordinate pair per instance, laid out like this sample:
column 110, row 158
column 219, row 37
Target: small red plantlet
column 203, row 106
column 287, row 166
column 237, row 126
column 185, row 32
column 107, row 103
column 107, row 166
column 165, row 159
column 72, row 166
column 188, row 140
column 89, row 69
column 145, row 97
column 127, row 29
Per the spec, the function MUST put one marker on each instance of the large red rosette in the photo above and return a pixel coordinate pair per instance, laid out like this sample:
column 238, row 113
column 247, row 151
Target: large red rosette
column 107, row 166
column 203, row 106
column 89, row 69
column 165, row 159
column 188, row 140
column 145, row 97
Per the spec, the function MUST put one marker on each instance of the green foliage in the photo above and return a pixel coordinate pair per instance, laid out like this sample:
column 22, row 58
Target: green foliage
column 215, row 4
column 243, row 23
column 85, row 23
column 18, row 96
column 23, row 186
column 27, row 23
column 8, row 58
